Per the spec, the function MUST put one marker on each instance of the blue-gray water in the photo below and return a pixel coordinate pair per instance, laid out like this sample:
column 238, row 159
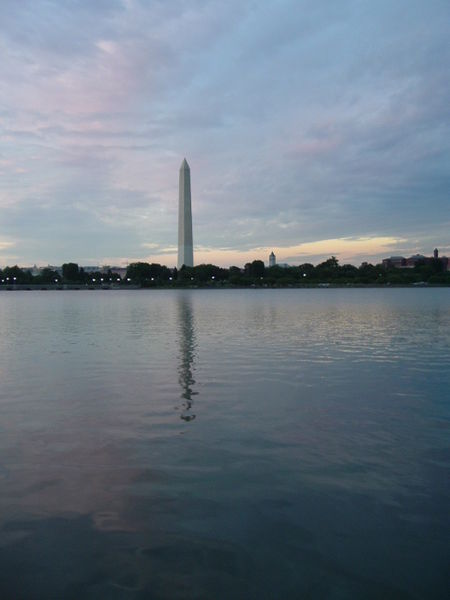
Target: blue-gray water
column 224, row 444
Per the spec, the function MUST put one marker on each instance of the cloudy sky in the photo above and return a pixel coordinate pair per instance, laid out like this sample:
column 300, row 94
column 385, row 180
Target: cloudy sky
column 312, row 127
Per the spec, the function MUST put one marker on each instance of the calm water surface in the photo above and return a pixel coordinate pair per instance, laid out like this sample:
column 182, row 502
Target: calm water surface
column 224, row 444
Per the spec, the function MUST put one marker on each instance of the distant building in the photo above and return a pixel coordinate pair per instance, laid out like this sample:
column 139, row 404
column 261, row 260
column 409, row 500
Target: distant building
column 400, row 262
column 396, row 262
column 412, row 261
column 34, row 270
column 272, row 260
column 55, row 268
column 91, row 269
column 121, row 271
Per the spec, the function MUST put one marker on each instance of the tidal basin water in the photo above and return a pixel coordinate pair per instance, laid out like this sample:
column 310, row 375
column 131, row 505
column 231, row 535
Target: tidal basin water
column 225, row 444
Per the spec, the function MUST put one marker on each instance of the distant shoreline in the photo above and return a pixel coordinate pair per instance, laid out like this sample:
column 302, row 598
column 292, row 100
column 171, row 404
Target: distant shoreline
column 71, row 287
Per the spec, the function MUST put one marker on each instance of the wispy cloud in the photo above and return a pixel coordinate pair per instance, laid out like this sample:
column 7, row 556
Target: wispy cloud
column 4, row 245
column 302, row 122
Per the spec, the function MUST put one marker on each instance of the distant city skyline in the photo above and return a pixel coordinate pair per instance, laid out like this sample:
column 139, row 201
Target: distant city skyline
column 400, row 262
column 313, row 130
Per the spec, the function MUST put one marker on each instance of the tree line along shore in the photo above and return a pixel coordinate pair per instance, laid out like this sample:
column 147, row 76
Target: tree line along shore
column 254, row 274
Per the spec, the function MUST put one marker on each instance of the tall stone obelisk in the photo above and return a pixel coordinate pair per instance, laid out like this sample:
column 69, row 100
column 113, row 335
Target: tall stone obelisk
column 185, row 249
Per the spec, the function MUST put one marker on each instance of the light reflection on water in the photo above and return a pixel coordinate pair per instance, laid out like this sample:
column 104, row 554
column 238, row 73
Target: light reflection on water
column 209, row 444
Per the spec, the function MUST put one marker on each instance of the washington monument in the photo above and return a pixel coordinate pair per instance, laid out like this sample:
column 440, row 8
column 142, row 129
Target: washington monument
column 185, row 249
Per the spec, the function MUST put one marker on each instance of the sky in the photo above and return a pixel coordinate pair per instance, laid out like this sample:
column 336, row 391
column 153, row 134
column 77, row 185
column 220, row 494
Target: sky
column 312, row 128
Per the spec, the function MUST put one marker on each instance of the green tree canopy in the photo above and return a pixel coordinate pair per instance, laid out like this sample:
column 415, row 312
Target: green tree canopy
column 48, row 275
column 71, row 271
column 142, row 272
column 255, row 268
column 16, row 275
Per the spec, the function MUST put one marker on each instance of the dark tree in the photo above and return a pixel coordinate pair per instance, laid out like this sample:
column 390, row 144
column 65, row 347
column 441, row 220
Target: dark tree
column 348, row 271
column 255, row 268
column 209, row 272
column 139, row 272
column 111, row 276
column 16, row 275
column 329, row 269
column 95, row 277
column 145, row 273
column 48, row 275
column 186, row 274
column 71, row 271
column 275, row 272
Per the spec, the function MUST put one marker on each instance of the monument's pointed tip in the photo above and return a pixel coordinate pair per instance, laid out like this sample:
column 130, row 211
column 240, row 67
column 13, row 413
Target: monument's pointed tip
column 184, row 164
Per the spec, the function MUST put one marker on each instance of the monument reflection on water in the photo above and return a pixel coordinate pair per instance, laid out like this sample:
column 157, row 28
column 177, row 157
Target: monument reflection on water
column 187, row 355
